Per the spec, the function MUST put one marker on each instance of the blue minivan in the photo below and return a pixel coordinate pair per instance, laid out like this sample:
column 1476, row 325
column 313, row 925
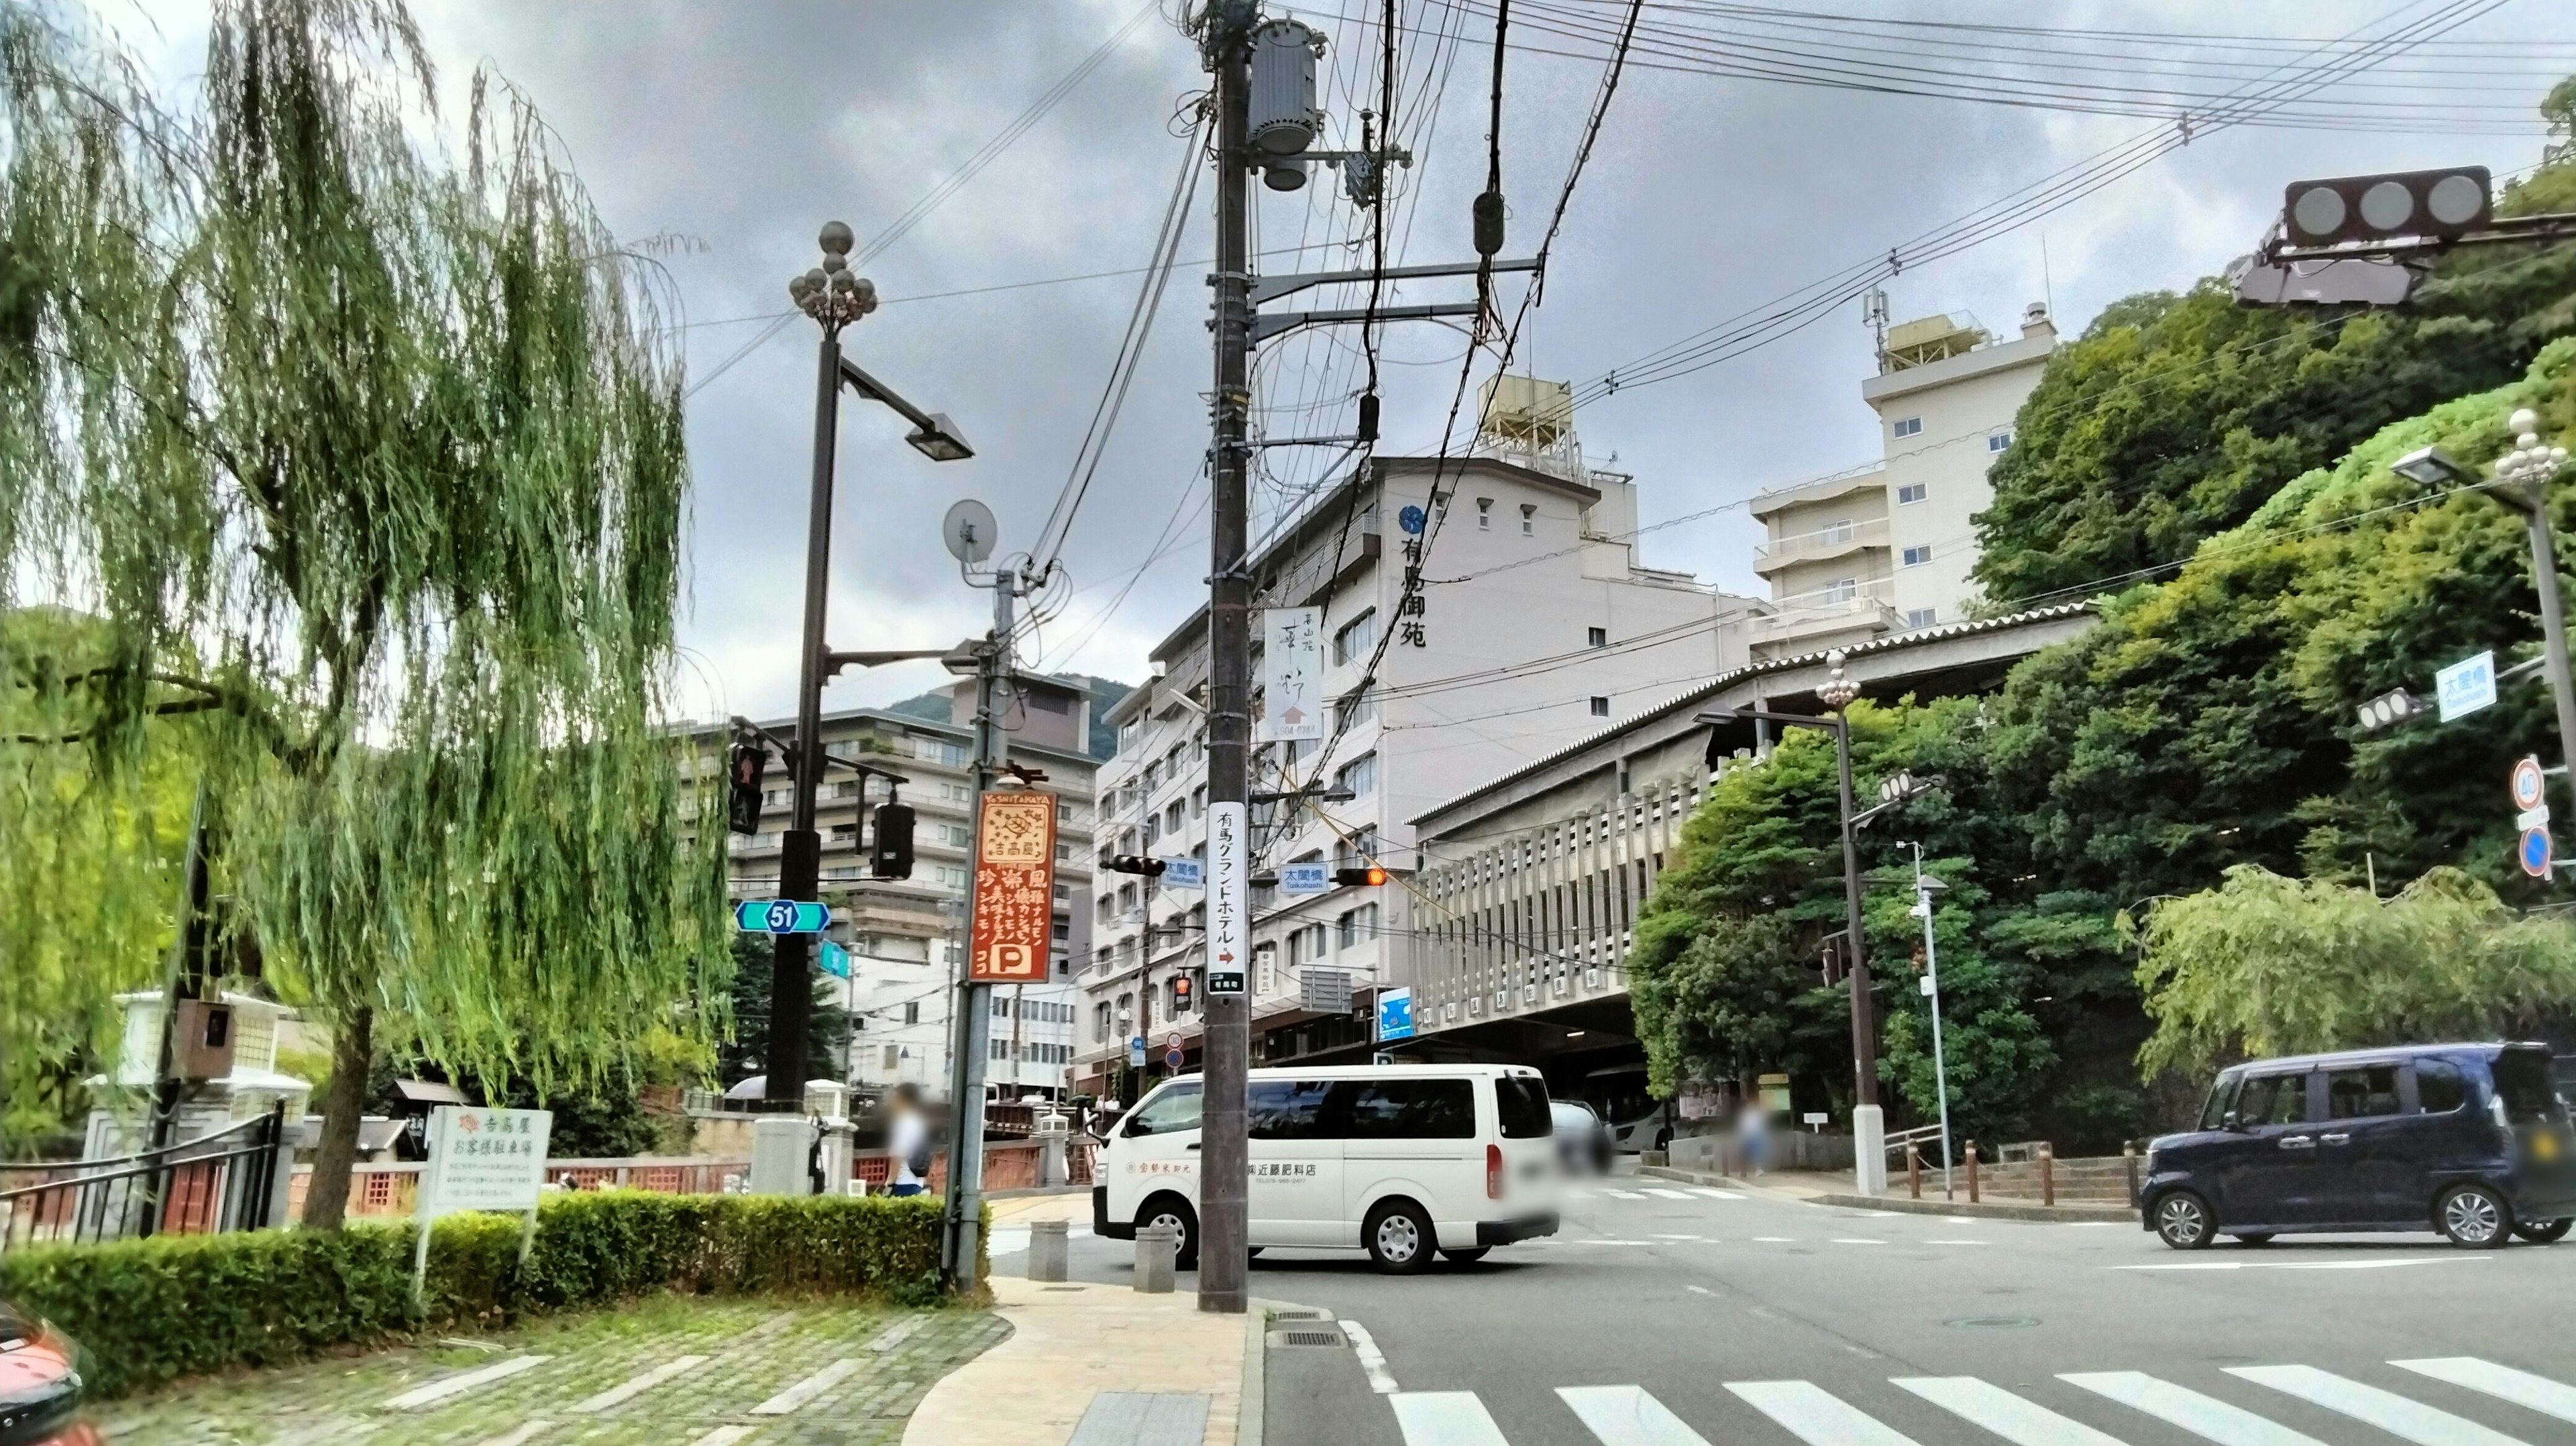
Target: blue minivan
column 2472, row 1140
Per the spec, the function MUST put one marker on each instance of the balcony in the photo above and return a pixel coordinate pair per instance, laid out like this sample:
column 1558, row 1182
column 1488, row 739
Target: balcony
column 1820, row 545
column 1829, row 618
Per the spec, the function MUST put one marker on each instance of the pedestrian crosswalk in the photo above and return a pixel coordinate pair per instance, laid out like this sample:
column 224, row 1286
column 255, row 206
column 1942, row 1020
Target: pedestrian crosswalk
column 1809, row 1413
column 1654, row 1192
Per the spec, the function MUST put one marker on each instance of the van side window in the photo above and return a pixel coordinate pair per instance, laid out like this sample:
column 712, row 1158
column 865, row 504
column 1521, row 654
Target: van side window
column 1412, row 1109
column 1522, row 1103
column 2222, row 1098
column 2274, row 1099
column 2522, row 1084
column 2438, row 1087
column 1173, row 1110
column 2364, row 1092
column 1286, row 1109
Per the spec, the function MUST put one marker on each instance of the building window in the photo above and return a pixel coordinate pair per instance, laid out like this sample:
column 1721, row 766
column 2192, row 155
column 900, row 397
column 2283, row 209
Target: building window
column 1596, row 637
column 957, row 835
column 1921, row 617
column 1172, row 815
column 1484, row 514
column 1359, row 776
column 1909, row 426
column 1917, row 556
column 1359, row 926
column 893, row 1056
column 1046, row 702
column 1198, row 800
column 1529, row 519
column 912, row 1011
column 1910, row 493
column 1842, row 590
column 1356, row 637
column 1834, row 534
column 1355, row 709
column 1999, row 441
column 1600, row 706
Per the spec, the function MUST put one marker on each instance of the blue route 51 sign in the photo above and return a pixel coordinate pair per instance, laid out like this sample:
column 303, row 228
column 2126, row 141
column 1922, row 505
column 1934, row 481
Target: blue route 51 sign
column 780, row 916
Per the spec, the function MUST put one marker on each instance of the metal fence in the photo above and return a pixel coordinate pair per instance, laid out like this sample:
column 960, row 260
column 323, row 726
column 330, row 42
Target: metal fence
column 222, row 1181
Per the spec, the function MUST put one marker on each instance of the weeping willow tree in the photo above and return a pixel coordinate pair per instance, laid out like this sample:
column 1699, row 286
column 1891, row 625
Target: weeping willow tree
column 363, row 470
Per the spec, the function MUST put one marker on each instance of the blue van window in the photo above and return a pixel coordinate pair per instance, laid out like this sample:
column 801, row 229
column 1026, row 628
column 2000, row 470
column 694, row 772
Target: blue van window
column 2361, row 1092
column 2522, row 1082
column 2274, row 1099
column 2438, row 1087
column 2222, row 1098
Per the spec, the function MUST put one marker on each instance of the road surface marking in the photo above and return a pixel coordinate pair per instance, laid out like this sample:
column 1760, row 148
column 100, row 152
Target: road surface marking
column 724, row 1436
column 1775, row 1239
column 523, row 1435
column 437, row 1391
column 1804, row 1410
column 895, row 1334
column 1623, row 1194
column 2386, row 1410
column 1876, row 1214
column 2539, row 1393
column 1659, row 1235
column 2355, row 1263
column 1714, row 1194
column 2204, row 1416
column 1663, row 1194
column 1854, row 1240
column 620, row 1395
column 2089, row 1224
column 1699, row 1290
column 1445, row 1418
column 1627, row 1416
column 1372, row 1360
column 808, row 1388
column 1954, row 1242
column 2021, row 1422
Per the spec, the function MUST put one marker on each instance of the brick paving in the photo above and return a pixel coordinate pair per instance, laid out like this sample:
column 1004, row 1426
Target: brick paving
column 629, row 1368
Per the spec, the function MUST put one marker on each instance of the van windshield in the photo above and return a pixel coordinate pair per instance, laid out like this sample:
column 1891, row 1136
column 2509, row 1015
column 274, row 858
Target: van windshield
column 2522, row 1083
column 1523, row 1101
column 1173, row 1110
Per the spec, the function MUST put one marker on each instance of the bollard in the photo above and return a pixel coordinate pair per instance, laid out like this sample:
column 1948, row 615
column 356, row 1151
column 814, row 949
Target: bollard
column 2047, row 1174
column 1972, row 1172
column 1156, row 1246
column 1049, row 1257
column 1914, row 1171
column 2129, row 1163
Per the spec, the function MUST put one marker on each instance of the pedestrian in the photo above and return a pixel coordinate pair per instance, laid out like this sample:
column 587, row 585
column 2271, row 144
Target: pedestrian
column 1753, row 1136
column 907, row 1141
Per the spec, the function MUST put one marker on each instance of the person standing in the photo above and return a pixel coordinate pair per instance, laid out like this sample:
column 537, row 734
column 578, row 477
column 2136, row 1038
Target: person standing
column 907, row 1141
column 1753, row 1135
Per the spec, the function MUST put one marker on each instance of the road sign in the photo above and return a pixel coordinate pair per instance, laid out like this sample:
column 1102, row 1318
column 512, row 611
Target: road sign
column 2532, row 818
column 1394, row 1014
column 1014, row 906
column 1229, row 903
column 482, row 1159
column 835, row 960
column 1292, row 675
column 2533, row 852
column 1172, row 1052
column 1136, row 1050
column 1183, row 874
column 1324, row 991
column 780, row 916
column 2467, row 686
column 1305, row 878
column 1817, row 1119
column 2528, row 791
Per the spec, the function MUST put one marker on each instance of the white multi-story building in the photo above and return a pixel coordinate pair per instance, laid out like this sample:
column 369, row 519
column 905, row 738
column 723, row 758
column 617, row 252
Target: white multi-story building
column 1536, row 625
column 1889, row 548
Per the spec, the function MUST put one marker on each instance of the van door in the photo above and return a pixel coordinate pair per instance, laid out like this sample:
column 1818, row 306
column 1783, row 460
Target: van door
column 2267, row 1171
column 2370, row 1167
column 1158, row 1149
column 1296, row 1154
column 1411, row 1137
column 1527, row 1130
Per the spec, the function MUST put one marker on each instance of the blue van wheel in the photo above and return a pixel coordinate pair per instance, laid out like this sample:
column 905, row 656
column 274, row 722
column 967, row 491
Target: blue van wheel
column 2183, row 1221
column 2475, row 1217
column 2543, row 1232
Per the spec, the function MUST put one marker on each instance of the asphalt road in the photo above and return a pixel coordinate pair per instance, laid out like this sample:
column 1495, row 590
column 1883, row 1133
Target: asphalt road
column 1663, row 1315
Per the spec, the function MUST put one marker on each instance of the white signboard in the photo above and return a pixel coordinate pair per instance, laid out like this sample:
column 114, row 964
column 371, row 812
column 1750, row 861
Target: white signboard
column 1292, row 675
column 1183, row 874
column 2467, row 686
column 1229, row 903
column 484, row 1159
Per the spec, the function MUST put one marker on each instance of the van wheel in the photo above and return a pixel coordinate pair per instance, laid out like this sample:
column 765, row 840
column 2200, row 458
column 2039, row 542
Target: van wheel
column 2183, row 1221
column 1399, row 1238
column 1467, row 1257
column 1174, row 1211
column 2475, row 1217
column 2544, row 1232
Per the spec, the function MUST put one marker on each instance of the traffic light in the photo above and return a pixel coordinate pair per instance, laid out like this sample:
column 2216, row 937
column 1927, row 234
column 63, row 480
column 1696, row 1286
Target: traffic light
column 894, row 841
column 2378, row 208
column 1180, row 994
column 2390, row 709
column 742, row 786
column 1134, row 864
column 1372, row 876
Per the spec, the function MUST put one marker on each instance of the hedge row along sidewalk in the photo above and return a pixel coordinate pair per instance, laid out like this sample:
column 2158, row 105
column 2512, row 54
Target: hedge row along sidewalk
column 150, row 1311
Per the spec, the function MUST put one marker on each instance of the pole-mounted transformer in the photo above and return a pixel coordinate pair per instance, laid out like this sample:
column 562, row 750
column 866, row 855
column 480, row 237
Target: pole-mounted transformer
column 1283, row 115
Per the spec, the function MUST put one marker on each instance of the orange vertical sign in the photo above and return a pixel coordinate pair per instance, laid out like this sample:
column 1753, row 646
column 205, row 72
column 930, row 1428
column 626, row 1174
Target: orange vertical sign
column 1014, row 906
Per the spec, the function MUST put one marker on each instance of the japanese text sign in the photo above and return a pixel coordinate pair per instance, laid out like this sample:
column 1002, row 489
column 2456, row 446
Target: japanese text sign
column 1014, row 905
column 484, row 1159
column 1229, row 903
column 1292, row 669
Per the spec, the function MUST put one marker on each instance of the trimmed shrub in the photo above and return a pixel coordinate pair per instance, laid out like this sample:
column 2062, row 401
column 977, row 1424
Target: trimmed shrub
column 150, row 1311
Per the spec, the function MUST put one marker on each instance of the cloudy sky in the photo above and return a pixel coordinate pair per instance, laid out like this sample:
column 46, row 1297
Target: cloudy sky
column 741, row 127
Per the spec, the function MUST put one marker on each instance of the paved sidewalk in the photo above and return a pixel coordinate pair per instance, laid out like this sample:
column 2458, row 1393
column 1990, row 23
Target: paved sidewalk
column 1071, row 1342
column 1819, row 1188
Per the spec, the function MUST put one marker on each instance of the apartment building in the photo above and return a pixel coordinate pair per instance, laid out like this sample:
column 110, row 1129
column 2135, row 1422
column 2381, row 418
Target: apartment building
column 1888, row 548
column 1535, row 625
column 906, row 937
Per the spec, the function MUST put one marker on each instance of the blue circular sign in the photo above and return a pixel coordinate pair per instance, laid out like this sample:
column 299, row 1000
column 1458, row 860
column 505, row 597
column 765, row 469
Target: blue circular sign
column 2534, row 852
column 1411, row 519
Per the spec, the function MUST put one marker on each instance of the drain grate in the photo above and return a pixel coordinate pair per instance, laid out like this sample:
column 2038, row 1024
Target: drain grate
column 1297, row 1315
column 1307, row 1338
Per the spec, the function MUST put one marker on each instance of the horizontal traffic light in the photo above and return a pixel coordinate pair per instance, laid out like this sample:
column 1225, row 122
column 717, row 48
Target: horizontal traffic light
column 1371, row 876
column 2376, row 208
column 1134, row 864
column 2390, row 709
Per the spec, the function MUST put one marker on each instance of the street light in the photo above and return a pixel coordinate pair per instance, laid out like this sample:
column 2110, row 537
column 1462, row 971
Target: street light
column 1925, row 886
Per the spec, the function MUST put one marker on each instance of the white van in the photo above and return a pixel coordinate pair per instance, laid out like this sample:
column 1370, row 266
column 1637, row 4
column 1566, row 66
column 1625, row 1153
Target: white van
column 1396, row 1160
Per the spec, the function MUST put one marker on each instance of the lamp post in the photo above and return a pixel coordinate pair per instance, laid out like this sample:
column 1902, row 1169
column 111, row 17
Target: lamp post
column 1925, row 885
column 835, row 298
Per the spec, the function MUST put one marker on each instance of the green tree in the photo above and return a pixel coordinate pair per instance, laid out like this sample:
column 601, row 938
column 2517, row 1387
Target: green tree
column 369, row 466
column 738, row 1055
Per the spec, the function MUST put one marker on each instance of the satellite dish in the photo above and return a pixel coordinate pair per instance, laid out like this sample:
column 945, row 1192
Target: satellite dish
column 969, row 530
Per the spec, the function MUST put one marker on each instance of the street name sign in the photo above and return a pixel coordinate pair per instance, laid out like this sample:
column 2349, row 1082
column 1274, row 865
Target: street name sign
column 1229, row 904
column 2533, row 852
column 1304, row 878
column 1012, row 928
column 1395, row 1014
column 835, row 960
column 780, row 916
column 1292, row 675
column 1183, row 873
column 2529, row 790
column 2467, row 685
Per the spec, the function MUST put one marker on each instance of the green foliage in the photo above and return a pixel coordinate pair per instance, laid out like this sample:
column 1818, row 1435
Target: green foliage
column 755, row 965
column 2264, row 965
column 150, row 1311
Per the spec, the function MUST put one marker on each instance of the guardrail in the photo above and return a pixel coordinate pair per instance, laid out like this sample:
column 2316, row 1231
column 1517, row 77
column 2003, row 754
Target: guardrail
column 216, row 1182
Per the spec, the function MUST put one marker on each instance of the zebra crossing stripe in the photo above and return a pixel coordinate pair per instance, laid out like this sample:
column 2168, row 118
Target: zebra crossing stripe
column 437, row 1391
column 1445, row 1418
column 808, row 1388
column 1806, row 1411
column 1571, row 1193
column 621, row 1394
column 1627, row 1416
column 2021, row 1422
column 2386, row 1410
column 1663, row 1194
column 2539, row 1393
column 1715, row 1194
column 724, row 1436
column 2203, row 1416
column 1623, row 1194
column 526, row 1433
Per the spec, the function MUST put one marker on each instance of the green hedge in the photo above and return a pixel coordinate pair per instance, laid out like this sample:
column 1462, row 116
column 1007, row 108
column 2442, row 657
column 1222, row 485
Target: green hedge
column 149, row 1311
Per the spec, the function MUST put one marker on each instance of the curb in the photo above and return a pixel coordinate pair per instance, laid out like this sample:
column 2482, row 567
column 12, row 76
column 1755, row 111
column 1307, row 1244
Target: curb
column 1256, row 1341
column 1024, row 1191
column 1985, row 1210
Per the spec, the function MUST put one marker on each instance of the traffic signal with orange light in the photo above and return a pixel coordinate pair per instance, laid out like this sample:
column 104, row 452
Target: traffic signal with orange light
column 1372, row 876
column 1133, row 864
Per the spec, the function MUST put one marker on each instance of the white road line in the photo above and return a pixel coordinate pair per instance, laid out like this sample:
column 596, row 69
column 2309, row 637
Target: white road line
column 437, row 1391
column 1627, row 1416
column 1854, row 1240
column 2539, row 1393
column 1699, row 1290
column 1806, row 1411
column 2386, row 1410
column 1954, row 1242
column 724, row 1436
column 1877, row 1214
column 895, row 1334
column 620, row 1395
column 1775, row 1239
column 1571, row 1193
column 1663, row 1194
column 2089, row 1224
column 2352, row 1263
column 1445, row 1418
column 2204, row 1416
column 1372, row 1360
column 1623, row 1194
column 1715, row 1194
column 521, row 1437
column 1659, row 1235
column 808, row 1388
column 1986, row 1404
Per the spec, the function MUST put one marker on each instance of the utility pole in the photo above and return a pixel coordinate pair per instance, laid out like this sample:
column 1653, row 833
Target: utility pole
column 1924, row 885
column 1226, row 1045
column 2528, row 469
